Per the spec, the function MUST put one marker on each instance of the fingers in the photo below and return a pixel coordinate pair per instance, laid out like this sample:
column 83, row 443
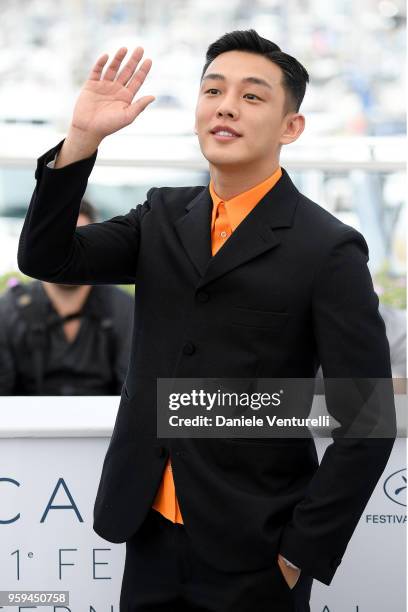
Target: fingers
column 127, row 71
column 139, row 77
column 115, row 64
column 96, row 71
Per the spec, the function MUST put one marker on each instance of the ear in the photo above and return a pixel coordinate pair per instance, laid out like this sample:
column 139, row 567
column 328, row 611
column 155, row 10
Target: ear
column 294, row 124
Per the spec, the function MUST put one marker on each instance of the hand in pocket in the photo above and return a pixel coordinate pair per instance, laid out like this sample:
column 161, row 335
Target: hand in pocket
column 290, row 574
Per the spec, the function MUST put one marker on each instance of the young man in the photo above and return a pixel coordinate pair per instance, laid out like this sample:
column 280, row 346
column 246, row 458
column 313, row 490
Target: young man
column 245, row 277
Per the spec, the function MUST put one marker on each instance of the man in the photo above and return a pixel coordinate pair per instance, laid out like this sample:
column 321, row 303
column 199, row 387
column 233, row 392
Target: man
column 58, row 339
column 245, row 277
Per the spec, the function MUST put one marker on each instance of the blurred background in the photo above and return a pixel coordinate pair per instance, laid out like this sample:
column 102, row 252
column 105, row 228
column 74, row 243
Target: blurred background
column 350, row 158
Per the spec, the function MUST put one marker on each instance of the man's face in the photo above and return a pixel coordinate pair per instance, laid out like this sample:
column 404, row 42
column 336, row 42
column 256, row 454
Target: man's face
column 253, row 110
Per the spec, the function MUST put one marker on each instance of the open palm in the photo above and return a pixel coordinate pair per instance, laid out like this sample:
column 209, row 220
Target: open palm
column 105, row 104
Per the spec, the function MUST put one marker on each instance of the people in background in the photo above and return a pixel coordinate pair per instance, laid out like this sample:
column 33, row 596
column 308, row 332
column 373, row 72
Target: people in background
column 58, row 339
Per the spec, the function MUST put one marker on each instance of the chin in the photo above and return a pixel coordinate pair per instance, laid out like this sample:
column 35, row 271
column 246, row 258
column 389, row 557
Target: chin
column 223, row 158
column 229, row 163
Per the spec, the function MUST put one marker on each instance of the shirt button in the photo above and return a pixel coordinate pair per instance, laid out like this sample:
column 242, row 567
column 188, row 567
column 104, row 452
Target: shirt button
column 202, row 296
column 223, row 234
column 188, row 348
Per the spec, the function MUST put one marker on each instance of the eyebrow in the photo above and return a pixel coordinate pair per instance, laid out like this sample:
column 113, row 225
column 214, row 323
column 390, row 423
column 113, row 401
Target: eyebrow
column 251, row 79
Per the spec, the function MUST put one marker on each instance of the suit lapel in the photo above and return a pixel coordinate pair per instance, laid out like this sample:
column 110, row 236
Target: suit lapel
column 252, row 237
column 194, row 230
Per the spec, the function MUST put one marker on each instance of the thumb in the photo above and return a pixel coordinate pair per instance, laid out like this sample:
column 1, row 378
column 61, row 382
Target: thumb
column 137, row 107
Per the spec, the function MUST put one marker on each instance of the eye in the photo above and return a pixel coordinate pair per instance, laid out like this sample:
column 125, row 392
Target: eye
column 212, row 89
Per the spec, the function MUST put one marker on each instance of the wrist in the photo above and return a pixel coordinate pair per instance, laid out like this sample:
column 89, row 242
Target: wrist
column 81, row 140
column 77, row 145
column 287, row 563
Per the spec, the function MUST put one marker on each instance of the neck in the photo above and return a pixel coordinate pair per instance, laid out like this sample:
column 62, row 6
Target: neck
column 67, row 299
column 230, row 181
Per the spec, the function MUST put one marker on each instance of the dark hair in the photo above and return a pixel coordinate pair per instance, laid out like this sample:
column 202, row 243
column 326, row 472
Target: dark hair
column 294, row 77
column 88, row 210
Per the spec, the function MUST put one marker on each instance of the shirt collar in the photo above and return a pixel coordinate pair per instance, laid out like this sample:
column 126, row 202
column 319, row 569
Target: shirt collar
column 240, row 206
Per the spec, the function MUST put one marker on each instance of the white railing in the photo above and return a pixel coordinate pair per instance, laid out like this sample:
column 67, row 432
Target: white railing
column 343, row 153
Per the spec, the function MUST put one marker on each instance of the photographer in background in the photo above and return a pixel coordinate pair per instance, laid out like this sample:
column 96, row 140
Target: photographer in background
column 58, row 339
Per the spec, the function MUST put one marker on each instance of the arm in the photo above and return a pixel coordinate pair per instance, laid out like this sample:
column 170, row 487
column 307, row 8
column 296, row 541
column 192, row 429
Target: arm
column 50, row 247
column 352, row 346
column 123, row 324
column 53, row 249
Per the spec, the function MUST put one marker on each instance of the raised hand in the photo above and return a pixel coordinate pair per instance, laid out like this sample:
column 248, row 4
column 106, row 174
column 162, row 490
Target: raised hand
column 105, row 104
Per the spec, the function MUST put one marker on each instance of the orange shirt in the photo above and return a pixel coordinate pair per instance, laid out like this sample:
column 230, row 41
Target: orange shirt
column 226, row 216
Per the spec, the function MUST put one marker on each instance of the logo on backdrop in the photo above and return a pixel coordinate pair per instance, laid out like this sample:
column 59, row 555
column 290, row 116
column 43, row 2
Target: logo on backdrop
column 395, row 487
column 50, row 505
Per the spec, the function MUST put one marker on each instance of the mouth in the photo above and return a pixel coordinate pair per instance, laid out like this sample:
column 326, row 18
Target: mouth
column 224, row 133
column 222, row 136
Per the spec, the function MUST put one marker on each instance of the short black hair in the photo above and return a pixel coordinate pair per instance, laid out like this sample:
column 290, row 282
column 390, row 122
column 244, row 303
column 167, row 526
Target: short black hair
column 294, row 77
column 88, row 210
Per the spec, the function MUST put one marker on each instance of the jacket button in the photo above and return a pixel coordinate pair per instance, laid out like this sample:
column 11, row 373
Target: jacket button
column 188, row 348
column 202, row 296
column 161, row 451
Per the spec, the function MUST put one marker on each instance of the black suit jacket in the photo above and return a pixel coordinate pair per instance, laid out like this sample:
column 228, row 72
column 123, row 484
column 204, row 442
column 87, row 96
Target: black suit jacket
column 289, row 290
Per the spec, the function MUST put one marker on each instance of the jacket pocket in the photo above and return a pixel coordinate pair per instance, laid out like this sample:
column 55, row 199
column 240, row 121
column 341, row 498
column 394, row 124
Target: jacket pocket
column 265, row 319
column 282, row 579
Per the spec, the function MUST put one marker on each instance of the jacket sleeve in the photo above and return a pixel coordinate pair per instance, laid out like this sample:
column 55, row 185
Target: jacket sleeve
column 354, row 354
column 123, row 321
column 51, row 248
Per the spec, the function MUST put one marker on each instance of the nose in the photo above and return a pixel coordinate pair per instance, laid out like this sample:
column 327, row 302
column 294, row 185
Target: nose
column 221, row 112
column 227, row 108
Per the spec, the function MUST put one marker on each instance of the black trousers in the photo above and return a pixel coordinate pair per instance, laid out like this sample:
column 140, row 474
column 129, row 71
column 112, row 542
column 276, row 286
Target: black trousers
column 163, row 573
